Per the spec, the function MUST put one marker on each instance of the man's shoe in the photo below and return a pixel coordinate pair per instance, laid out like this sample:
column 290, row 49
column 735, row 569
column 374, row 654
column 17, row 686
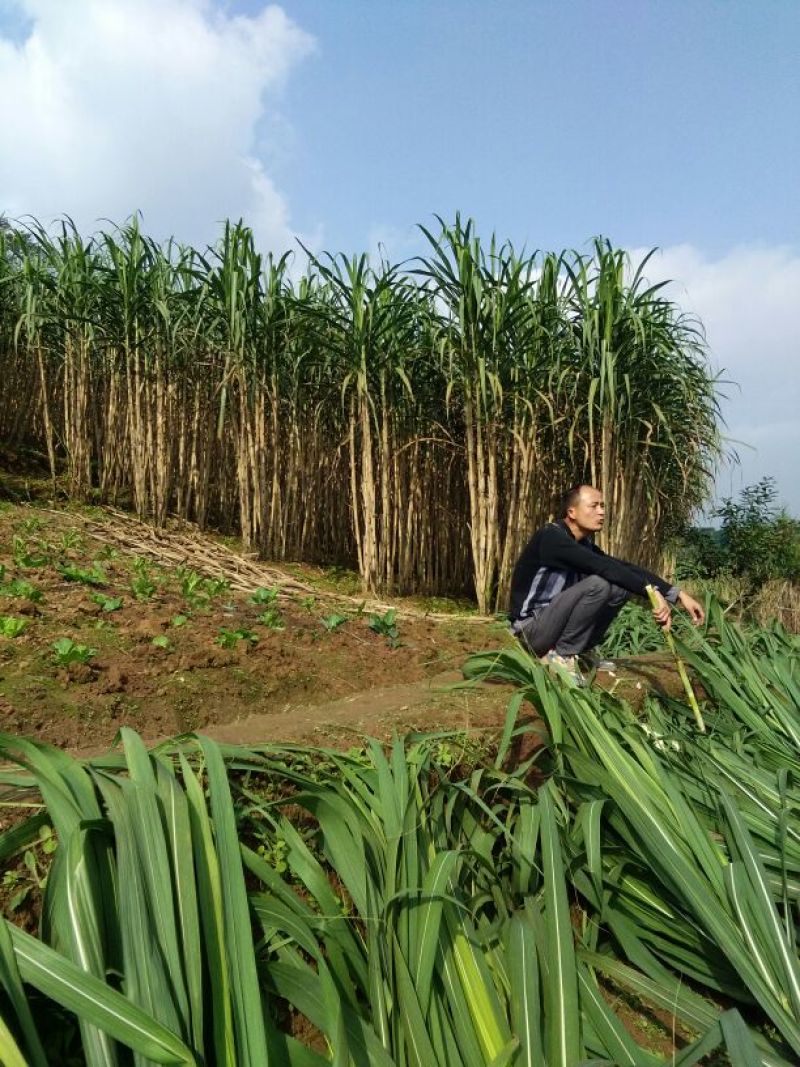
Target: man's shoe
column 595, row 662
column 565, row 666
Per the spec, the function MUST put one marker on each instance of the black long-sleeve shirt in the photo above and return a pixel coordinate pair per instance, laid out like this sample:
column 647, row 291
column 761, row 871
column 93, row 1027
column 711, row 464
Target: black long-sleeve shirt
column 554, row 559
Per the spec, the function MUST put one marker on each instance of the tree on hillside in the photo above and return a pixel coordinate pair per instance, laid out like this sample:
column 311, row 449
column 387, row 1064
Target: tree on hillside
column 757, row 540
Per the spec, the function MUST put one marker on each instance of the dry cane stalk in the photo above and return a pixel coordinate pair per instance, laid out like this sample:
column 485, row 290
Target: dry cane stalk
column 687, row 685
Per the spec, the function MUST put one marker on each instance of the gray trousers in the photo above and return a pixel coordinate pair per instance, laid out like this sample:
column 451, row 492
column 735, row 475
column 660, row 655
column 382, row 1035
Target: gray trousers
column 575, row 620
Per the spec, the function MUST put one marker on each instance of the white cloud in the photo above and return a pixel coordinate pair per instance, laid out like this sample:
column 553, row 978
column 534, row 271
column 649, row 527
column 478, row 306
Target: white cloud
column 747, row 300
column 151, row 105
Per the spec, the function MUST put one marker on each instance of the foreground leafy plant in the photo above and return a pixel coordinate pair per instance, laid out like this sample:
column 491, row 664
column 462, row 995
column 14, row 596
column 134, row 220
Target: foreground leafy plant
column 411, row 917
column 632, row 633
column 420, row 904
column 684, row 871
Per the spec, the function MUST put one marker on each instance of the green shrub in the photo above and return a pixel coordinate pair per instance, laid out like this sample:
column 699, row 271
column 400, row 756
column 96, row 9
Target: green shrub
column 757, row 541
column 762, row 541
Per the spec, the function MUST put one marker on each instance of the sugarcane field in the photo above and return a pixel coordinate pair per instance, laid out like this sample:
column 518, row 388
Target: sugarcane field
column 399, row 609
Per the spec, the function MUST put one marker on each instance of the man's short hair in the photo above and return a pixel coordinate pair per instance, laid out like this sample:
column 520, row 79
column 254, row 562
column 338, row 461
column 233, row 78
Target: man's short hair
column 571, row 498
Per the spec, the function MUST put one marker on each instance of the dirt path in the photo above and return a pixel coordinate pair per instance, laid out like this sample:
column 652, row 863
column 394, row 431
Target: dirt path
column 378, row 712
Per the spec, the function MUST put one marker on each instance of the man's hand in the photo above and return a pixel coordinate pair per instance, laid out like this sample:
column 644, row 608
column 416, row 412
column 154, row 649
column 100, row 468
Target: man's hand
column 695, row 610
column 662, row 611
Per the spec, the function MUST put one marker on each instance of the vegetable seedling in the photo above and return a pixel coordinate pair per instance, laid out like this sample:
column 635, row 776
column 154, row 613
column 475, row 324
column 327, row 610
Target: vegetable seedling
column 263, row 596
column 66, row 651
column 73, row 573
column 11, row 627
column 229, row 638
column 107, row 603
column 272, row 618
column 386, row 626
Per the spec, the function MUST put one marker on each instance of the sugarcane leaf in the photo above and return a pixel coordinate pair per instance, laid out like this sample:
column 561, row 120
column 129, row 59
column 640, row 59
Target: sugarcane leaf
column 246, row 997
column 93, row 1000
column 429, row 918
column 525, row 1003
column 210, row 906
column 738, row 1040
column 302, row 988
column 562, row 1027
column 11, row 983
column 10, row 1054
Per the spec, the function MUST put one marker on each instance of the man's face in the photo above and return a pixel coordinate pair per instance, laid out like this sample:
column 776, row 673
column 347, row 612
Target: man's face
column 589, row 513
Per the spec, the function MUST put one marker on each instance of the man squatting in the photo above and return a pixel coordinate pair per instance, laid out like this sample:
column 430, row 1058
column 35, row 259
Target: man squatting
column 566, row 592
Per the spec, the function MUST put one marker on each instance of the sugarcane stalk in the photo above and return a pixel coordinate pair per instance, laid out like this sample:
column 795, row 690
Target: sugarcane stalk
column 687, row 685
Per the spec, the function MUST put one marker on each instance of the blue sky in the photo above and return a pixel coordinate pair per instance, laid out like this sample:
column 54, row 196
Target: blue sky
column 655, row 123
column 347, row 122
